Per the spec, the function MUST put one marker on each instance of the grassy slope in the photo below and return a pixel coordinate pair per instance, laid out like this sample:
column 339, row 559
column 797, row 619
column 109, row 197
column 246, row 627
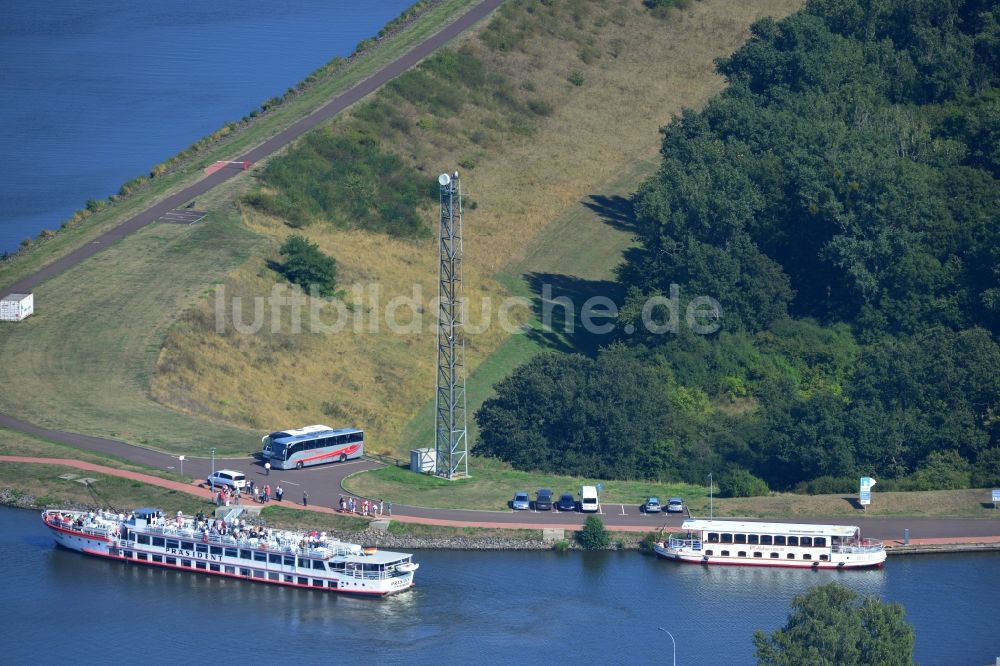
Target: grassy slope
column 237, row 143
column 84, row 360
column 598, row 133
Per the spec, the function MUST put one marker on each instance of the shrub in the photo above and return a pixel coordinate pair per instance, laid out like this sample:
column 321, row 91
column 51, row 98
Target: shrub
column 540, row 107
column 306, row 265
column 593, row 536
column 648, row 541
column 986, row 472
column 576, row 78
column 828, row 485
column 943, row 470
column 561, row 546
column 741, row 483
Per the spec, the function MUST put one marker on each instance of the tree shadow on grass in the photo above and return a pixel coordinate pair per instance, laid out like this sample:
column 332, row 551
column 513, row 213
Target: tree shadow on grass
column 616, row 211
column 575, row 313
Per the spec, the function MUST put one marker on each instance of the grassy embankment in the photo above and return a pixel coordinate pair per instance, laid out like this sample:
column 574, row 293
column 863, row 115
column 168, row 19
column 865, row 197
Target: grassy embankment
column 84, row 362
column 588, row 100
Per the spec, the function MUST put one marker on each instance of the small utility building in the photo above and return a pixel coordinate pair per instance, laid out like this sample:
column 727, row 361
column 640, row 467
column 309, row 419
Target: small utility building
column 15, row 307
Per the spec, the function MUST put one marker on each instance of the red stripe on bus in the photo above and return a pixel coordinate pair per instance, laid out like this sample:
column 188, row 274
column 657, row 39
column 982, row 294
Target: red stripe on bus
column 346, row 450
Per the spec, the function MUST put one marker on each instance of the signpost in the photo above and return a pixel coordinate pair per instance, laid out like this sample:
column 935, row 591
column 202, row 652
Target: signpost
column 866, row 491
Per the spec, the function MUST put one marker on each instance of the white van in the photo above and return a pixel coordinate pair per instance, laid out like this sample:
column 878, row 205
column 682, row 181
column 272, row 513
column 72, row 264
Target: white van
column 589, row 502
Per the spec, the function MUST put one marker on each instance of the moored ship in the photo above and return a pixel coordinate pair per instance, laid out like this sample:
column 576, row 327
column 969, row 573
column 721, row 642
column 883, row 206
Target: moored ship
column 227, row 547
column 772, row 544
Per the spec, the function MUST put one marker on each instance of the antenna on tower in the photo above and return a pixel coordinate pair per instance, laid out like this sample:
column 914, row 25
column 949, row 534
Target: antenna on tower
column 450, row 427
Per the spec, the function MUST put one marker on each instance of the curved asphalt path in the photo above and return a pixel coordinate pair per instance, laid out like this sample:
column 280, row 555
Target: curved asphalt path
column 324, row 484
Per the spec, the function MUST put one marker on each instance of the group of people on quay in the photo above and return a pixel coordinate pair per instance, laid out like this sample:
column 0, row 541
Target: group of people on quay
column 365, row 507
column 227, row 496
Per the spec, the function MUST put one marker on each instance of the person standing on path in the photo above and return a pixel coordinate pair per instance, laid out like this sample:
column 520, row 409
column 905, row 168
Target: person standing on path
column 278, row 492
column 267, row 468
column 390, row 509
column 305, row 498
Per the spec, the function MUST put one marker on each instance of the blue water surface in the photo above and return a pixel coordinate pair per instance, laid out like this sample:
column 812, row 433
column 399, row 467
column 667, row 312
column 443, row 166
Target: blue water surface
column 473, row 608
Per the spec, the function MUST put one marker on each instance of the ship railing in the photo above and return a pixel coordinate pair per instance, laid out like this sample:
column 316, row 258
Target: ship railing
column 858, row 546
column 685, row 544
column 365, row 575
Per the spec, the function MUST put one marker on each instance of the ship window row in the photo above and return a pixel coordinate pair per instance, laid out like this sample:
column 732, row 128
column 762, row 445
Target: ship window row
column 765, row 539
column 257, row 556
column 758, row 555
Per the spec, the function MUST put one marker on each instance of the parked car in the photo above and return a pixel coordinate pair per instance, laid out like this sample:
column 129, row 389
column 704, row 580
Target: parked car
column 543, row 500
column 566, row 502
column 227, row 477
column 651, row 505
column 675, row 505
column 521, row 502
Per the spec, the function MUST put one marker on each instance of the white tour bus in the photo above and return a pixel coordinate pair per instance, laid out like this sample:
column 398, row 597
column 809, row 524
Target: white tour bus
column 312, row 445
column 589, row 502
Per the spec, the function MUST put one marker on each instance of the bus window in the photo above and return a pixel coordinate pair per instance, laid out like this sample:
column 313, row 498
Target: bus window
column 355, row 437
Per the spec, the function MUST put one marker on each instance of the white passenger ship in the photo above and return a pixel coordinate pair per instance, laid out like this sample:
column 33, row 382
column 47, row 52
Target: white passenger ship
column 772, row 544
column 215, row 547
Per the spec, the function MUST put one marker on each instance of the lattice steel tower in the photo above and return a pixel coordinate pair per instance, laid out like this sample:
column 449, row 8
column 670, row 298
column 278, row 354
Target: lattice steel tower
column 451, row 442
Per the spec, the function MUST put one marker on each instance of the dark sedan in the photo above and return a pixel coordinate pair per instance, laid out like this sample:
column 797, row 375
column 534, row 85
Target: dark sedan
column 543, row 500
column 566, row 502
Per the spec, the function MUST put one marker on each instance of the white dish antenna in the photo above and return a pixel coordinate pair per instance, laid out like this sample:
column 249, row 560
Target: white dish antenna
column 444, row 179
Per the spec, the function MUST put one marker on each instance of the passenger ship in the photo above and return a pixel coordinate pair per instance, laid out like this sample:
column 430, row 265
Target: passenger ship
column 772, row 544
column 277, row 557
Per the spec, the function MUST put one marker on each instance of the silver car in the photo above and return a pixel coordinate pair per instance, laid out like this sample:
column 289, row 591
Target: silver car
column 521, row 502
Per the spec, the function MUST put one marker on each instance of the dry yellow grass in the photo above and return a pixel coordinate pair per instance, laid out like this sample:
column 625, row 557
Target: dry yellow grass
column 378, row 380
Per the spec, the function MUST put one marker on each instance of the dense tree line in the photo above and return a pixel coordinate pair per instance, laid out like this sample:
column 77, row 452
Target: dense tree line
column 840, row 200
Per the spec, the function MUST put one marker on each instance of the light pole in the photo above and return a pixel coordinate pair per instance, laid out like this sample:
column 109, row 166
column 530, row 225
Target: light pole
column 711, row 488
column 672, row 642
column 213, row 469
column 181, row 459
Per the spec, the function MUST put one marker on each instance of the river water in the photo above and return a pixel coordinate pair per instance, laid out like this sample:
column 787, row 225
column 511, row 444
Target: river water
column 485, row 607
column 96, row 93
